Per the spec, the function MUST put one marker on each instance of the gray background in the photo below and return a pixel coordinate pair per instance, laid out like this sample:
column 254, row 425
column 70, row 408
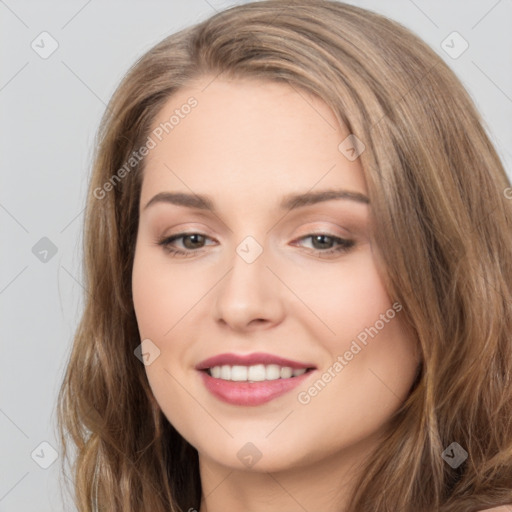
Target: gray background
column 50, row 110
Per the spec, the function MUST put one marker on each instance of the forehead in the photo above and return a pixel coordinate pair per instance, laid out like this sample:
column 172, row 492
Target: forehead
column 249, row 138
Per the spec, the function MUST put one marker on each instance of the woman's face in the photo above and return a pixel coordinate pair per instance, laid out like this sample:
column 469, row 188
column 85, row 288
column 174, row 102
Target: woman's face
column 311, row 359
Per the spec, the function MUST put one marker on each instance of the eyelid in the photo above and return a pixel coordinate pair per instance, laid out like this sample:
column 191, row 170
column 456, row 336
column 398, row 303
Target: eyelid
column 186, row 228
column 309, row 231
column 190, row 229
column 331, row 231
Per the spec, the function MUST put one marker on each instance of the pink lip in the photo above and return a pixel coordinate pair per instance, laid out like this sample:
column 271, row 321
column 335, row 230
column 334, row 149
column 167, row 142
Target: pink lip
column 250, row 393
column 250, row 360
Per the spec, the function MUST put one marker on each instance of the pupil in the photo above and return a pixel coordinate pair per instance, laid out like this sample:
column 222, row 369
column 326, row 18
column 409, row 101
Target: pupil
column 189, row 237
column 320, row 237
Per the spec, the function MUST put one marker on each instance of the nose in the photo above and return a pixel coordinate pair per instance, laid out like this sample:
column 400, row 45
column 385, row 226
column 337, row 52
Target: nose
column 249, row 296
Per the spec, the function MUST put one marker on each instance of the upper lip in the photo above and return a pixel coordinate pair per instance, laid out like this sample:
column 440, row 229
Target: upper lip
column 250, row 360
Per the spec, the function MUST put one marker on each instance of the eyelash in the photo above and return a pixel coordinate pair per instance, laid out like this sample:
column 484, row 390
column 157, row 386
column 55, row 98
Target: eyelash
column 344, row 245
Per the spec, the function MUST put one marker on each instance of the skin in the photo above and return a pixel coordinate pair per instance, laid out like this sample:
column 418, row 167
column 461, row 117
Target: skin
column 247, row 144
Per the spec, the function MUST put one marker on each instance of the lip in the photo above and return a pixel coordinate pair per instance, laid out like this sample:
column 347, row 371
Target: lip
column 251, row 393
column 249, row 360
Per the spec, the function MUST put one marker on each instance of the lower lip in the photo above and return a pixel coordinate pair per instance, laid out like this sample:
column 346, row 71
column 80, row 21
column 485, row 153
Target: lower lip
column 251, row 393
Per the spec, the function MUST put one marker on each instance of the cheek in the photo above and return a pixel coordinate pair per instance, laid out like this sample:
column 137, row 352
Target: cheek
column 161, row 299
column 366, row 332
column 369, row 331
column 162, row 294
column 347, row 297
column 362, row 301
column 378, row 355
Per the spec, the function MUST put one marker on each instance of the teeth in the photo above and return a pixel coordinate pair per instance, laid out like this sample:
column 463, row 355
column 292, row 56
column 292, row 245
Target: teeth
column 286, row 372
column 272, row 372
column 239, row 373
column 225, row 372
column 255, row 373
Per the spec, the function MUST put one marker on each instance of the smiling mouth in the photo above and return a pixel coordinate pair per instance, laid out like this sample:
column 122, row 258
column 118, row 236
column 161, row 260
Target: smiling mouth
column 252, row 379
column 252, row 385
column 255, row 373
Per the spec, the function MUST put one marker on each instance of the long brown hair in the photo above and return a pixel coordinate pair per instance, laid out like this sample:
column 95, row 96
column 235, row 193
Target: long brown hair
column 443, row 233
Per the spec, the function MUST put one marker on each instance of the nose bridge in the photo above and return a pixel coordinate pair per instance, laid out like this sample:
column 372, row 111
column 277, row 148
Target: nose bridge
column 246, row 293
column 246, row 279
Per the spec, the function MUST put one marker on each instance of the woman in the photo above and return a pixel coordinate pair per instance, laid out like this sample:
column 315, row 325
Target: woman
column 298, row 254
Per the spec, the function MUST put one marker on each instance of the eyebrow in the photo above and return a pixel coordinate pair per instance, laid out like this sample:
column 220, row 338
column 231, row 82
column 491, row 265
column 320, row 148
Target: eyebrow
column 289, row 202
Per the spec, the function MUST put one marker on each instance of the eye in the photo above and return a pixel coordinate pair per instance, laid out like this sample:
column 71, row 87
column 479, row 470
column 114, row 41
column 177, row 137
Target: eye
column 323, row 244
column 192, row 242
